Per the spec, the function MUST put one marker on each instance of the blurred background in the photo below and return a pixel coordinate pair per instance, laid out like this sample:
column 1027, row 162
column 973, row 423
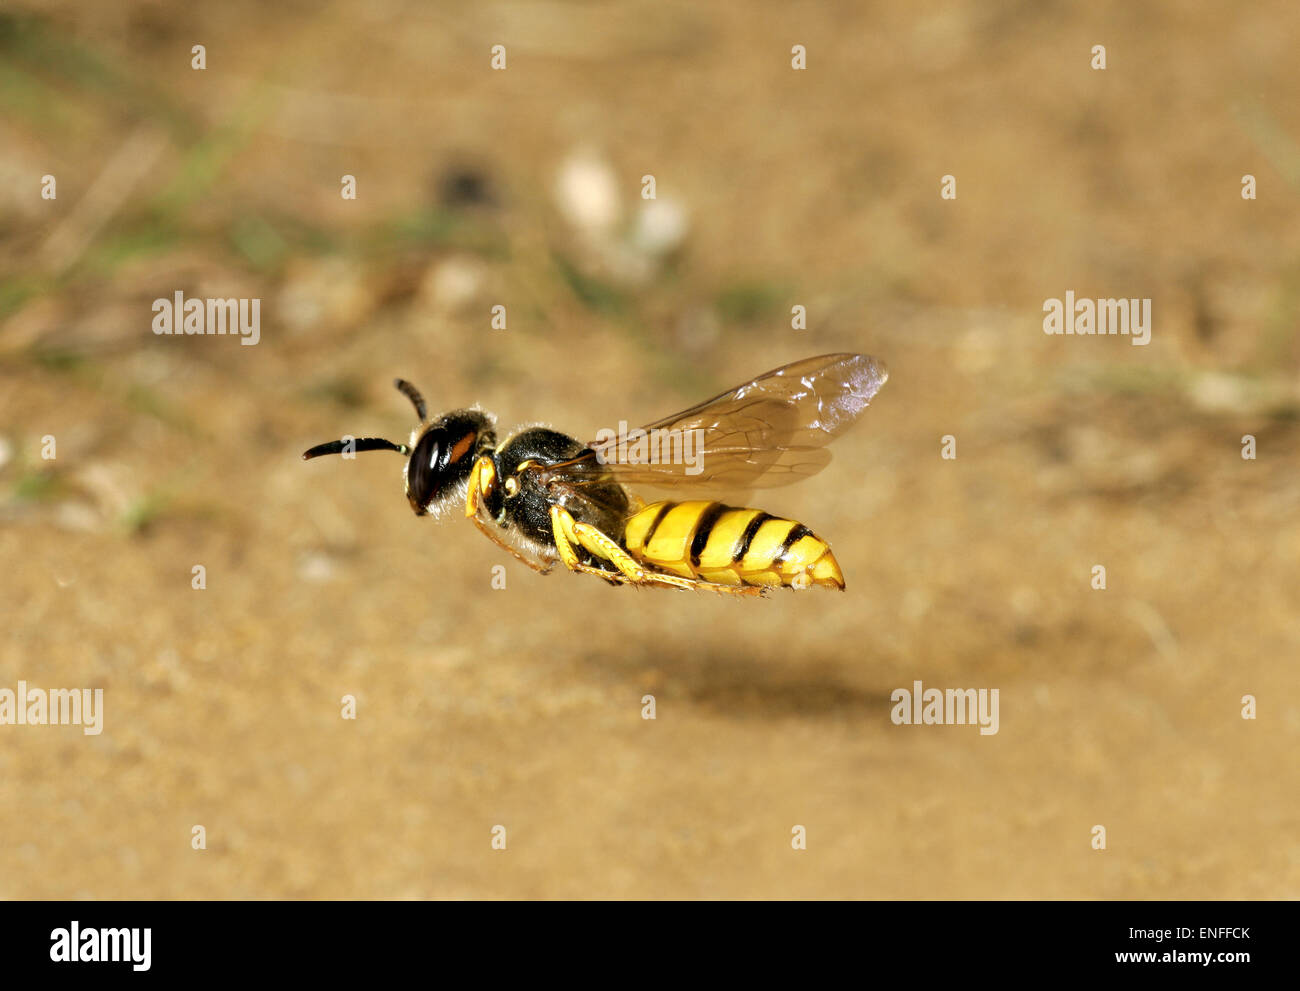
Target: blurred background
column 774, row 188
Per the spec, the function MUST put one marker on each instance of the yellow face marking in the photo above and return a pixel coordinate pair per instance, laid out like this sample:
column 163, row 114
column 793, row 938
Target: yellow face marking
column 512, row 486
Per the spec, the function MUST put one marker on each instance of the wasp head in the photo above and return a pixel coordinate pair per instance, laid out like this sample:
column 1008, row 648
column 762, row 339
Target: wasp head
column 439, row 456
column 437, row 471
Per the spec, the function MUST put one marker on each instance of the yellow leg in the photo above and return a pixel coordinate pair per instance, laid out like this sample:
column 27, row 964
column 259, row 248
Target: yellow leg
column 567, row 531
column 481, row 479
column 562, row 530
column 606, row 547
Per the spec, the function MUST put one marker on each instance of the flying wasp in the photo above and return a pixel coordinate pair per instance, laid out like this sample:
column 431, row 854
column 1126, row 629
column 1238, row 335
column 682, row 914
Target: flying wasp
column 547, row 497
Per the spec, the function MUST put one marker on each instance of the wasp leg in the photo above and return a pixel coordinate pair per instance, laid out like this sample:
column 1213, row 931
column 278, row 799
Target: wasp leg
column 568, row 531
column 564, row 544
column 562, row 524
column 487, row 531
column 606, row 547
column 481, row 479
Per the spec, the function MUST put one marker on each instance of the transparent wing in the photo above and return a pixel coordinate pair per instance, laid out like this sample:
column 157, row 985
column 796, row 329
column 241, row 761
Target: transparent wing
column 769, row 432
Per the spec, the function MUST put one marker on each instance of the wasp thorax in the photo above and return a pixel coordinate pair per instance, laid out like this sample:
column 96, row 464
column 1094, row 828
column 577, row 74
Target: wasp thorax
column 442, row 456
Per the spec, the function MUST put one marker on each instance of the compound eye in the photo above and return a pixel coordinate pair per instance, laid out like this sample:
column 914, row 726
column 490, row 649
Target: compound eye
column 512, row 486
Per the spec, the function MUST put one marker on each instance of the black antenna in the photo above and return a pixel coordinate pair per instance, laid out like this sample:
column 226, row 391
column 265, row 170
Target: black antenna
column 358, row 444
column 413, row 394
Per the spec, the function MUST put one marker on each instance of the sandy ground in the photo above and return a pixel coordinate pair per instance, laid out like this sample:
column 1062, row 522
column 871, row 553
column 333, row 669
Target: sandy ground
column 521, row 706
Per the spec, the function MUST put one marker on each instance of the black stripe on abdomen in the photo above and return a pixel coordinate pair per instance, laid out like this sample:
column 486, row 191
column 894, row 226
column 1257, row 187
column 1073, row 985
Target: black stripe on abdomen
column 796, row 534
column 747, row 538
column 664, row 507
column 702, row 528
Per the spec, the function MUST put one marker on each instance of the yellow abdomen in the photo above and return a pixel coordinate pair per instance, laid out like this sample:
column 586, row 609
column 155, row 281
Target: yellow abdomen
column 730, row 546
